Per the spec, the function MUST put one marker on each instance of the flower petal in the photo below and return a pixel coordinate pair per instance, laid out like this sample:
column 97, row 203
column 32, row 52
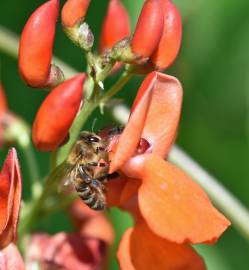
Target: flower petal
column 91, row 223
column 130, row 137
column 170, row 41
column 73, row 11
column 11, row 259
column 3, row 101
column 150, row 20
column 114, row 189
column 140, row 249
column 154, row 116
column 173, row 205
column 116, row 25
column 67, row 251
column 164, row 112
column 10, row 198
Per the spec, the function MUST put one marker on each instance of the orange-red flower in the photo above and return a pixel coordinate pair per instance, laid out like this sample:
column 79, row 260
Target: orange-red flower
column 11, row 259
column 91, row 223
column 170, row 41
column 66, row 251
column 149, row 21
column 56, row 114
column 3, row 111
column 87, row 248
column 10, row 198
column 115, row 27
column 74, row 11
column 159, row 49
column 170, row 210
column 36, row 46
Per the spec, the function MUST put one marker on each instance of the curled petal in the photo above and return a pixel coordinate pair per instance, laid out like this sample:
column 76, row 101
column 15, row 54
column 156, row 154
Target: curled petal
column 36, row 44
column 140, row 249
column 115, row 26
column 56, row 114
column 170, row 41
column 164, row 113
column 151, row 20
column 154, row 117
column 73, row 11
column 66, row 251
column 173, row 205
column 131, row 135
column 91, row 223
column 10, row 199
column 11, row 259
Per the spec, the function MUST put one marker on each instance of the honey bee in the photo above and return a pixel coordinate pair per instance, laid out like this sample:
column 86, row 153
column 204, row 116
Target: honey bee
column 88, row 169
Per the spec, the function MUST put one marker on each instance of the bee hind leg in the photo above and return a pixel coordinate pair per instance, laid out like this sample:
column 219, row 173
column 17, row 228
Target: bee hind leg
column 84, row 174
column 96, row 184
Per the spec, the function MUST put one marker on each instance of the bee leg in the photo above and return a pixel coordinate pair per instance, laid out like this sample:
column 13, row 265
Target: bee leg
column 96, row 164
column 96, row 184
column 84, row 175
column 103, row 178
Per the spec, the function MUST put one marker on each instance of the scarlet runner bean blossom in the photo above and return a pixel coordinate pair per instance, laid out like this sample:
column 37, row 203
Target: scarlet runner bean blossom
column 170, row 210
column 10, row 258
column 85, row 249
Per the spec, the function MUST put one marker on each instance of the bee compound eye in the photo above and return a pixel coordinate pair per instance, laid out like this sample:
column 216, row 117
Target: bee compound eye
column 93, row 139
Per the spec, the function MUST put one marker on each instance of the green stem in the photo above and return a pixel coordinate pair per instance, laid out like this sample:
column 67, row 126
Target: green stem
column 32, row 164
column 126, row 76
column 33, row 168
column 105, row 72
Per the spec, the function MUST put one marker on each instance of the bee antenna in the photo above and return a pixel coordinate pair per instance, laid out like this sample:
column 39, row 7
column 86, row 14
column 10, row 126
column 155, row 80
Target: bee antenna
column 94, row 124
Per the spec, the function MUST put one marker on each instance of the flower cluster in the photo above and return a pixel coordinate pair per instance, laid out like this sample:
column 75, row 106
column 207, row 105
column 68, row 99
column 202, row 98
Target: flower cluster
column 171, row 212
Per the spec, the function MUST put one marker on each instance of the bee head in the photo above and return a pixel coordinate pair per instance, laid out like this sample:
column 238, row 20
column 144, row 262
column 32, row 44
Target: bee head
column 89, row 137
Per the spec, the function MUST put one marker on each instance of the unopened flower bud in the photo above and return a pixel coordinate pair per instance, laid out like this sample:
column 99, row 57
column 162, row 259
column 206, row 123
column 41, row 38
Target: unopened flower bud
column 116, row 25
column 170, row 41
column 36, row 44
column 56, row 114
column 148, row 30
column 73, row 12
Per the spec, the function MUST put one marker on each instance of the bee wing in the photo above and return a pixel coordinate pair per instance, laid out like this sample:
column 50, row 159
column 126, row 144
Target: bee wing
column 68, row 177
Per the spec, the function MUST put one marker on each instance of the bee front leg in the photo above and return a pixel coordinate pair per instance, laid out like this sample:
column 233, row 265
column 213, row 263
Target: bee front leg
column 97, row 164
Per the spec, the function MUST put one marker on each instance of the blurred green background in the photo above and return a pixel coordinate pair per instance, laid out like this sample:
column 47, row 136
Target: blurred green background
column 213, row 67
